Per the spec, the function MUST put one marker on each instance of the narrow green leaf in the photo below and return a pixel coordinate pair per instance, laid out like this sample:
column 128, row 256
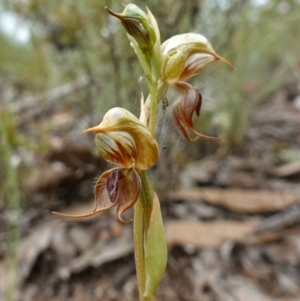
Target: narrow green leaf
column 139, row 246
column 155, row 248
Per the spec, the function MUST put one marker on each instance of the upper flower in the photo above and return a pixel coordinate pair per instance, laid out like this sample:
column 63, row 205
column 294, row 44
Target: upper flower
column 186, row 55
column 124, row 141
column 143, row 33
column 137, row 24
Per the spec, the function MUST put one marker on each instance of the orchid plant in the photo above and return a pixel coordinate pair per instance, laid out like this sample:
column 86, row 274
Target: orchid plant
column 129, row 143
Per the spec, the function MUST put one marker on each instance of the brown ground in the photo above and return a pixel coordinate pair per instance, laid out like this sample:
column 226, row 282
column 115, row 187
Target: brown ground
column 232, row 221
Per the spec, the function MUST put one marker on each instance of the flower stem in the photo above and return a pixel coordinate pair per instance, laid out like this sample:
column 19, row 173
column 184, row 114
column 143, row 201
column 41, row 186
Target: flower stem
column 153, row 105
column 147, row 190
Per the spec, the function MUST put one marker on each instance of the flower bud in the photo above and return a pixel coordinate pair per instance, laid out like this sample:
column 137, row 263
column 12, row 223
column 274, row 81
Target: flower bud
column 137, row 24
column 123, row 140
column 186, row 55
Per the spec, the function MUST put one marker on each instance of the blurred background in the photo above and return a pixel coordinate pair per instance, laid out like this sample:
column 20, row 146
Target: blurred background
column 231, row 209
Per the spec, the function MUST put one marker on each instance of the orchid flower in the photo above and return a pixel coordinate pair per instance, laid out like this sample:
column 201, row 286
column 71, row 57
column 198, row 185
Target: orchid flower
column 184, row 56
column 124, row 141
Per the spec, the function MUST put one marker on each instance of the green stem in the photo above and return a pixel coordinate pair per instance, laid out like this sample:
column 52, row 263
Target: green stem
column 161, row 89
column 153, row 105
column 146, row 193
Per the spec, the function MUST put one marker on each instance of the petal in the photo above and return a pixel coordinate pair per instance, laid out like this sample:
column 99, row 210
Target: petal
column 103, row 200
column 186, row 39
column 183, row 111
column 196, row 63
column 186, row 55
column 129, row 187
column 112, row 118
column 112, row 184
column 154, row 24
column 117, row 147
column 173, row 65
column 123, row 140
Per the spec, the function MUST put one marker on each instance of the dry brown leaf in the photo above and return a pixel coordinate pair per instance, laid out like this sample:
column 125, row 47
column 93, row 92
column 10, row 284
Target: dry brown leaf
column 246, row 289
column 64, row 248
column 289, row 169
column 46, row 177
column 33, row 245
column 271, row 236
column 240, row 200
column 101, row 252
column 287, row 251
column 62, row 118
column 55, row 143
column 208, row 234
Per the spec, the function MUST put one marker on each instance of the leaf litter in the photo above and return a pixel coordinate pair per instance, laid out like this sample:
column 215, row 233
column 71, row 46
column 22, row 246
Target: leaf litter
column 232, row 223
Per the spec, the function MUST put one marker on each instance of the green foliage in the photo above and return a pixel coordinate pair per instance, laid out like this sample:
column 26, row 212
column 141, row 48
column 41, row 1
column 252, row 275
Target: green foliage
column 9, row 192
column 24, row 66
column 74, row 38
column 262, row 51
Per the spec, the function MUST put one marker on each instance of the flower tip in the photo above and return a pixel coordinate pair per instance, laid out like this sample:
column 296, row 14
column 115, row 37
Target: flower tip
column 75, row 216
column 92, row 129
column 149, row 13
column 212, row 138
column 219, row 58
column 123, row 220
column 198, row 135
column 58, row 213
column 111, row 12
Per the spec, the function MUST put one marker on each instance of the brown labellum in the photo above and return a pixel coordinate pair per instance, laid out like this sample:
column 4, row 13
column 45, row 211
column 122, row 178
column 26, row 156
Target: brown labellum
column 184, row 109
column 112, row 184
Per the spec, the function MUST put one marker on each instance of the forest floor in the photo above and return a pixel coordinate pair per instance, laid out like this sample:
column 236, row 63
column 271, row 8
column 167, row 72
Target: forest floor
column 232, row 223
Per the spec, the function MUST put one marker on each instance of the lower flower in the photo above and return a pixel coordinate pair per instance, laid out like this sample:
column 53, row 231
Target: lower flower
column 122, row 140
